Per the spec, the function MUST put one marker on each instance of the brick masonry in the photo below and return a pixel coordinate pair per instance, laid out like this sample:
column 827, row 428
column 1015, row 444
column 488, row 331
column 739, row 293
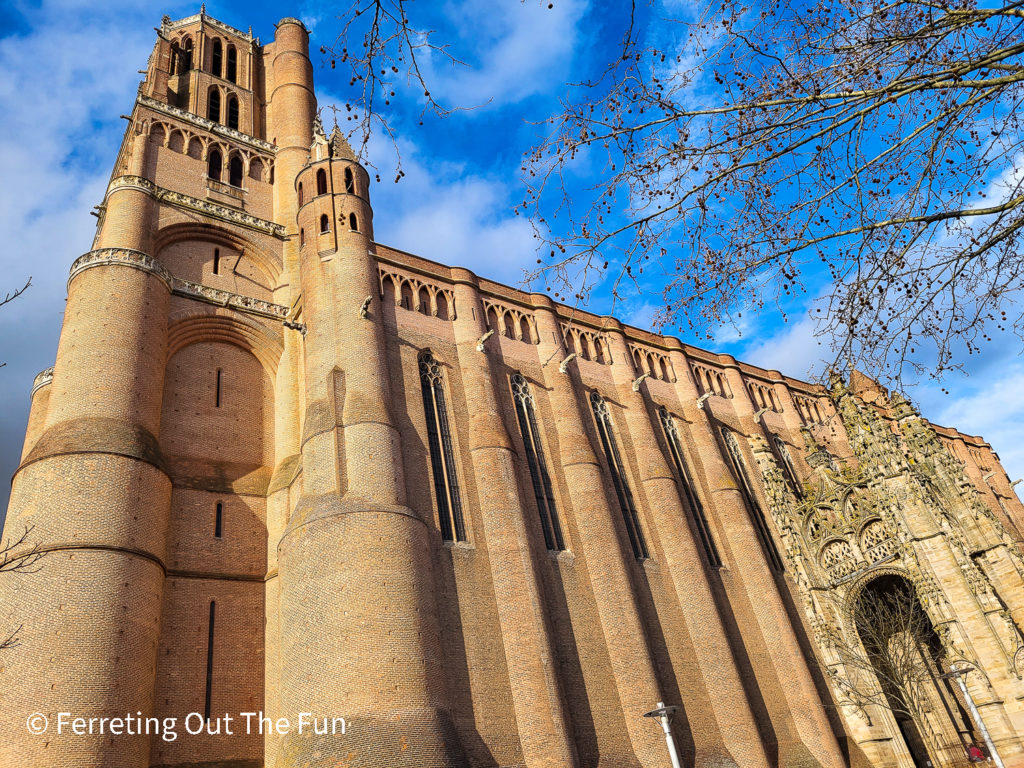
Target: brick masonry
column 236, row 417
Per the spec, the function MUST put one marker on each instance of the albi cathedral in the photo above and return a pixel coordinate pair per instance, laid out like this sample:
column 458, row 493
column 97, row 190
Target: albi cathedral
column 279, row 467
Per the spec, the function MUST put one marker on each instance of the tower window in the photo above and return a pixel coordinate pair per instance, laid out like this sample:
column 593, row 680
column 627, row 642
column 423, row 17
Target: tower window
column 214, row 164
column 350, row 185
column 220, row 381
column 233, row 113
column 321, row 182
column 618, row 470
column 216, row 261
column 353, row 224
column 217, row 56
column 542, row 490
column 753, row 508
column 235, row 171
column 302, row 237
column 218, row 524
column 213, row 107
column 209, row 661
column 186, row 61
column 325, row 224
column 232, row 69
column 300, row 194
column 442, row 454
column 700, row 521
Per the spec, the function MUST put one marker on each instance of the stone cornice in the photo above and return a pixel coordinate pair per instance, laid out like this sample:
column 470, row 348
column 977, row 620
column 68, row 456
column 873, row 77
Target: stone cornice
column 207, row 125
column 42, row 379
column 227, row 299
column 142, row 261
column 123, row 256
column 227, row 29
column 205, row 207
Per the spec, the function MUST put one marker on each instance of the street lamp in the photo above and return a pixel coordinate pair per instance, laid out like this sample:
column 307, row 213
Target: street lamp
column 958, row 675
column 663, row 715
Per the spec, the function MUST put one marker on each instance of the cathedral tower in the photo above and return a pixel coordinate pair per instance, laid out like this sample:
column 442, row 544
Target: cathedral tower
column 280, row 470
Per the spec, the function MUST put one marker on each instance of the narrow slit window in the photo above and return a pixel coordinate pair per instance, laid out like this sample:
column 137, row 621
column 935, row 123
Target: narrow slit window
column 214, row 165
column 233, row 113
column 622, row 491
column 350, row 184
column 700, row 520
column 352, row 223
column 218, row 55
column 218, row 523
column 209, row 662
column 753, row 507
column 232, row 68
column 216, row 261
column 300, row 194
column 213, row 106
column 442, row 453
column 220, row 385
column 235, row 171
column 321, row 182
column 542, row 490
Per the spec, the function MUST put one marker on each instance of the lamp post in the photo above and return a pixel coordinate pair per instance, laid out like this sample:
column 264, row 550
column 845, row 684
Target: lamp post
column 664, row 715
column 958, row 675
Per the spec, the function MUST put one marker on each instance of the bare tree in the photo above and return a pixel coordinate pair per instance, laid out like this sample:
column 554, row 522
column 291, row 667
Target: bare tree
column 17, row 555
column 894, row 661
column 866, row 151
column 11, row 296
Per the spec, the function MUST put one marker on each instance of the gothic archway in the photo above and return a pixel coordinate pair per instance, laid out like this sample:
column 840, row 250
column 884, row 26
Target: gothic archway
column 909, row 661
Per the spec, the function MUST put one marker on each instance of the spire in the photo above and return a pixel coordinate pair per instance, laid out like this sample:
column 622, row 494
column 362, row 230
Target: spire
column 339, row 145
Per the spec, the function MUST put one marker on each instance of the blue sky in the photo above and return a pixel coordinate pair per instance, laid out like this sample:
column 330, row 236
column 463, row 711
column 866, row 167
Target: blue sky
column 71, row 70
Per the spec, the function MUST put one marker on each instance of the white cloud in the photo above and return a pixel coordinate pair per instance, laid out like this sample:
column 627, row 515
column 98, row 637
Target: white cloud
column 66, row 81
column 989, row 405
column 516, row 50
column 793, row 350
column 442, row 211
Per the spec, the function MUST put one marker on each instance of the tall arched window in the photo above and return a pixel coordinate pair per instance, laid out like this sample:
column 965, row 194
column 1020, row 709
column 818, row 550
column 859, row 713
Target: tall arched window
column 235, row 171
column 350, row 185
column 214, row 165
column 325, row 224
column 753, row 507
column 233, row 112
column 232, row 73
column 213, row 106
column 788, row 468
column 700, row 521
column 321, row 182
column 442, row 453
column 217, row 55
column 186, row 60
column 625, row 496
column 542, row 489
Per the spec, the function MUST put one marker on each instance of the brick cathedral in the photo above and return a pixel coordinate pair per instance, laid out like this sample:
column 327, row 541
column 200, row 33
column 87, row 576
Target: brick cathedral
column 280, row 467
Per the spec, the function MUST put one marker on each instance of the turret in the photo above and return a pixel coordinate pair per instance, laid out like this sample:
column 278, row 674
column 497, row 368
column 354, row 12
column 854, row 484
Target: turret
column 358, row 626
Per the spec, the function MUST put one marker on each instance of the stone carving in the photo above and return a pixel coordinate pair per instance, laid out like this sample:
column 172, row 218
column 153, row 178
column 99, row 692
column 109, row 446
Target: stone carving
column 42, row 378
column 123, row 256
column 204, row 207
column 228, row 299
column 207, row 125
